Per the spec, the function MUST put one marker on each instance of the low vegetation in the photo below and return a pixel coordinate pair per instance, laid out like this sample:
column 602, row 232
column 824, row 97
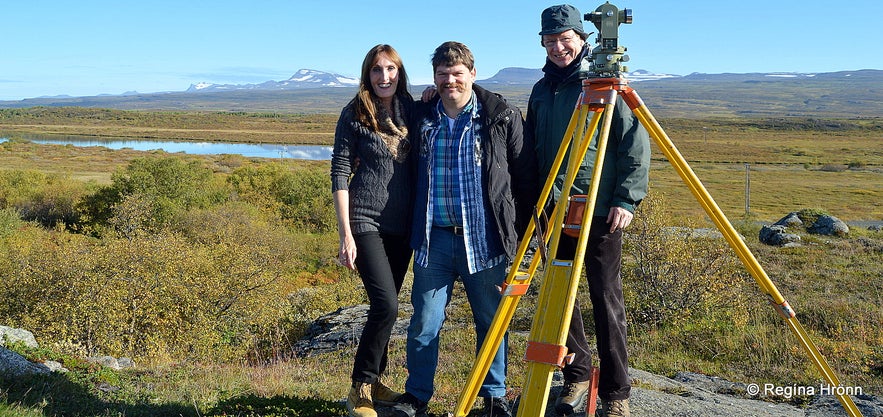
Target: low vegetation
column 206, row 269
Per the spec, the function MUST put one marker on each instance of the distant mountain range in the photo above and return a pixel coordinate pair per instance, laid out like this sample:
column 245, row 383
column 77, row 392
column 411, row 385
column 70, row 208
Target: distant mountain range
column 833, row 94
column 308, row 78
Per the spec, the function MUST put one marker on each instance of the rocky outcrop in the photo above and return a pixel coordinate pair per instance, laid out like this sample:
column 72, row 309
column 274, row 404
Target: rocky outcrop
column 10, row 335
column 777, row 235
column 691, row 394
column 111, row 362
column 14, row 364
column 828, row 226
column 783, row 232
column 342, row 328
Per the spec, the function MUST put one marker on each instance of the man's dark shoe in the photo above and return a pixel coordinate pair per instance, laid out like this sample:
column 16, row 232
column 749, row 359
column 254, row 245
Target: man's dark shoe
column 497, row 407
column 571, row 396
column 408, row 405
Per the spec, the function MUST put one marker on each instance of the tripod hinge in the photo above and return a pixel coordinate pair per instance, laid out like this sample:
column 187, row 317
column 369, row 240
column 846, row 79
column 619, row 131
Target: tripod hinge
column 513, row 289
column 517, row 286
column 547, row 353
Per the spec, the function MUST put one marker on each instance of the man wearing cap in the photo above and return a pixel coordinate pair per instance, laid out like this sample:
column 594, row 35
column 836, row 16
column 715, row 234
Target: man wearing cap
column 623, row 185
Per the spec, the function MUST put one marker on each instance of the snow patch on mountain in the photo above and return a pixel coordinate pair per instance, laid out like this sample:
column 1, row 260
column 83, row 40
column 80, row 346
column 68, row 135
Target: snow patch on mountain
column 304, row 78
column 518, row 76
column 644, row 75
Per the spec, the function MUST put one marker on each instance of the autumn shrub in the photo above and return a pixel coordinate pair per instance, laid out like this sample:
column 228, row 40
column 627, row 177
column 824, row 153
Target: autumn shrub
column 308, row 304
column 158, row 188
column 301, row 198
column 45, row 198
column 259, row 264
column 672, row 276
column 856, row 164
column 17, row 186
column 55, row 204
column 173, row 268
column 258, row 185
column 154, row 297
column 9, row 221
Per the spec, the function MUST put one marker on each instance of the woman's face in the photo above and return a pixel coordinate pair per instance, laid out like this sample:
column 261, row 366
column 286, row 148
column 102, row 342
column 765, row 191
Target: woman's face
column 384, row 77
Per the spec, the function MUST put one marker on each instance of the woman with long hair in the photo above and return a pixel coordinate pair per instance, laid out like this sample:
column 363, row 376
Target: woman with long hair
column 372, row 188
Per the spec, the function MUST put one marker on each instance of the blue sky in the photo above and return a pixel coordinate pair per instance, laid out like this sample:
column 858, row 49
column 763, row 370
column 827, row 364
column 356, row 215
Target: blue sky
column 91, row 47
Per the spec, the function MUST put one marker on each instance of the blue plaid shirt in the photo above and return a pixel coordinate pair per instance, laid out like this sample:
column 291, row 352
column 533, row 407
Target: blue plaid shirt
column 456, row 192
column 445, row 192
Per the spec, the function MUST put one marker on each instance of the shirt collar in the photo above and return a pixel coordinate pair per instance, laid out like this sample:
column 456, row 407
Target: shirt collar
column 471, row 107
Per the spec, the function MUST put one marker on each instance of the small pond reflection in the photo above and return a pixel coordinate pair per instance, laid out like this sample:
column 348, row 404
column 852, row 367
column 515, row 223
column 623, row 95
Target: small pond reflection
column 256, row 150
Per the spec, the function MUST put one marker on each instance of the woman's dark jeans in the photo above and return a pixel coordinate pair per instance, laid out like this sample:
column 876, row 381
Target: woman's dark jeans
column 382, row 261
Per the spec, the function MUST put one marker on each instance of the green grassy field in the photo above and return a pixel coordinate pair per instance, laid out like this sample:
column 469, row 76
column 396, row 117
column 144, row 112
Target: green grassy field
column 834, row 283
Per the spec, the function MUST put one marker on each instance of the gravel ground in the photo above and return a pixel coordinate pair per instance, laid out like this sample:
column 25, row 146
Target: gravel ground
column 691, row 395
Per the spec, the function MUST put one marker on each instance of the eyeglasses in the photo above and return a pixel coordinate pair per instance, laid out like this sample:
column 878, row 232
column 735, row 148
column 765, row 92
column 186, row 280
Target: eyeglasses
column 550, row 42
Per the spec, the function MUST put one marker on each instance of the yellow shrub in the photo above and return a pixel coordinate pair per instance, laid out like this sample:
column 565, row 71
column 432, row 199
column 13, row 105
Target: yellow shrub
column 671, row 276
column 149, row 297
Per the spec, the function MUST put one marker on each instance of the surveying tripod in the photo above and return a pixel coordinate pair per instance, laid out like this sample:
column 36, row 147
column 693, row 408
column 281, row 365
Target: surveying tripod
column 545, row 350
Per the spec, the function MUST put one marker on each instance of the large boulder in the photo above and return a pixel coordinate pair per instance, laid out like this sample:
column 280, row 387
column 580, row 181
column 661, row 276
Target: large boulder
column 792, row 219
column 10, row 335
column 829, row 226
column 342, row 329
column 777, row 235
column 13, row 364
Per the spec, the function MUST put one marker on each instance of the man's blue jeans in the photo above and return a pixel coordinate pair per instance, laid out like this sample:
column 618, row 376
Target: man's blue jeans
column 430, row 295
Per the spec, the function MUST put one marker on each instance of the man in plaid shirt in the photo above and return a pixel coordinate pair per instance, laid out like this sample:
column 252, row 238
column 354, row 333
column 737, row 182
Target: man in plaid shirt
column 476, row 185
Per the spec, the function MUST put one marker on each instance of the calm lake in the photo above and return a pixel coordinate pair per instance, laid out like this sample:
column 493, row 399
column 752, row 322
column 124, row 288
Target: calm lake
column 257, row 150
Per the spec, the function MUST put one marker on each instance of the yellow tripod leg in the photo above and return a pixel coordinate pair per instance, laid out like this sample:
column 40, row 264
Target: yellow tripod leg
column 546, row 349
column 732, row 237
column 516, row 283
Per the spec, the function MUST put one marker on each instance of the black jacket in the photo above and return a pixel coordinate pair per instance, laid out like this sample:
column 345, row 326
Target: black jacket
column 508, row 168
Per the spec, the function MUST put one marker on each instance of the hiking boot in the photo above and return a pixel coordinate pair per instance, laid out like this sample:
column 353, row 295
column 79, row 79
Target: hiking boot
column 615, row 408
column 571, row 396
column 383, row 395
column 358, row 402
column 408, row 405
column 497, row 407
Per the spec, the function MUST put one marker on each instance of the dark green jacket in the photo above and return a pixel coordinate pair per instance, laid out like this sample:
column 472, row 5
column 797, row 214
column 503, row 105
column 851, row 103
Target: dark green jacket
column 624, row 178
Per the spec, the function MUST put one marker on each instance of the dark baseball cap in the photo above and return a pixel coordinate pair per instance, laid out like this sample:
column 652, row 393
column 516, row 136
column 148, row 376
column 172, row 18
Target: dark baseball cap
column 557, row 19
